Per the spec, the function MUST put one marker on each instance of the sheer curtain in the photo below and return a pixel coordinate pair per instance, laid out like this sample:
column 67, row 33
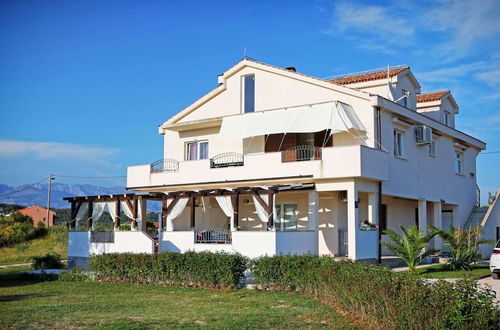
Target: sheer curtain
column 226, row 205
column 175, row 212
column 261, row 212
column 82, row 213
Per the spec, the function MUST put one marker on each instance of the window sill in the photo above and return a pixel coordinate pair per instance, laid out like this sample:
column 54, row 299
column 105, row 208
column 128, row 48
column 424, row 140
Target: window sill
column 400, row 157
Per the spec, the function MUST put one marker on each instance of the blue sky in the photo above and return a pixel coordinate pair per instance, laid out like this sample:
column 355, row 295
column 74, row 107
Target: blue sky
column 84, row 84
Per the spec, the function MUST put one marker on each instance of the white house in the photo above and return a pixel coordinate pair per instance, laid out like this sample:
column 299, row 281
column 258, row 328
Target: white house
column 273, row 161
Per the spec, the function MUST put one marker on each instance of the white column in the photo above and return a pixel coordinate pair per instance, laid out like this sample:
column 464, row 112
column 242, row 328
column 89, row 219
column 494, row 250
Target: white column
column 422, row 215
column 438, row 223
column 352, row 220
column 373, row 208
column 313, row 217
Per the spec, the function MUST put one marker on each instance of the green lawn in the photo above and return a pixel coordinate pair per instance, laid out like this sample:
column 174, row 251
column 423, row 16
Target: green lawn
column 22, row 253
column 440, row 271
column 25, row 304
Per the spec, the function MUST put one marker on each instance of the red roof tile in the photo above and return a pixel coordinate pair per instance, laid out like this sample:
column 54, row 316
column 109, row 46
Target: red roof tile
column 429, row 97
column 382, row 74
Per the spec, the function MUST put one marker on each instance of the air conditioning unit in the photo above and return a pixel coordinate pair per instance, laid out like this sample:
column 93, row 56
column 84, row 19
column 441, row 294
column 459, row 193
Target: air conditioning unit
column 423, row 134
column 343, row 196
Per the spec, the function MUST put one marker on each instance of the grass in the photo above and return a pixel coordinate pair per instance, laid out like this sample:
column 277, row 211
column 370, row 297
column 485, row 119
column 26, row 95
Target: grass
column 28, row 304
column 440, row 271
column 24, row 252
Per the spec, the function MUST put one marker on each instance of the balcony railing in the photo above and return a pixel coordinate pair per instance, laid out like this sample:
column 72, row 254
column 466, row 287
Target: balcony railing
column 213, row 236
column 226, row 160
column 301, row 153
column 165, row 165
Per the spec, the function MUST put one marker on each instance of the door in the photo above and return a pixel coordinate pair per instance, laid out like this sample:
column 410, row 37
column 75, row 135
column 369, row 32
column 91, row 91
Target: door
column 447, row 222
column 343, row 242
column 286, row 217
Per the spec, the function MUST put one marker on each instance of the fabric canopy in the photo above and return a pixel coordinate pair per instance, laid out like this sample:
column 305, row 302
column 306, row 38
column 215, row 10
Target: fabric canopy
column 226, row 205
column 335, row 116
column 82, row 214
column 261, row 212
column 97, row 211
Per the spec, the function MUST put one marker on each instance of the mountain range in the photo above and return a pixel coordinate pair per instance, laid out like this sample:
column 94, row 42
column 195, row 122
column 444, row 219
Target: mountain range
column 37, row 194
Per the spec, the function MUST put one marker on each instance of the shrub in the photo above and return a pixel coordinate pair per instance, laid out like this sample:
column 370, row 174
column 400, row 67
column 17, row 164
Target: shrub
column 15, row 228
column 377, row 295
column 49, row 261
column 463, row 245
column 204, row 269
column 125, row 227
column 75, row 275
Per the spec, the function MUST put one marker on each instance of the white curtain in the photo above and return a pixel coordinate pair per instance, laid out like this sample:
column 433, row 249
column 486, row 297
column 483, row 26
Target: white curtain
column 261, row 212
column 175, row 212
column 82, row 214
column 226, row 205
column 335, row 116
column 112, row 212
column 128, row 211
column 97, row 211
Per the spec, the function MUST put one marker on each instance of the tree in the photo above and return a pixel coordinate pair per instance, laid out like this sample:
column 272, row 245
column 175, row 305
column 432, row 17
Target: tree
column 412, row 247
column 463, row 245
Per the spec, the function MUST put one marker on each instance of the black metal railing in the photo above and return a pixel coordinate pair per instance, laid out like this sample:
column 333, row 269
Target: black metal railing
column 301, row 153
column 226, row 160
column 102, row 236
column 165, row 165
column 213, row 236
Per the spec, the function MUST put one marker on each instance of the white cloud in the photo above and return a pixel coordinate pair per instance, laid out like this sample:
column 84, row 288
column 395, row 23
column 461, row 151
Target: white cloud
column 450, row 74
column 56, row 150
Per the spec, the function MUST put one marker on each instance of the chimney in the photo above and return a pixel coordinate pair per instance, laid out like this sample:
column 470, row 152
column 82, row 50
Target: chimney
column 291, row 68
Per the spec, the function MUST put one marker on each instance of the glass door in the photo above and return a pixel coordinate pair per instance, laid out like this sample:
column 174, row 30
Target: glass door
column 286, row 217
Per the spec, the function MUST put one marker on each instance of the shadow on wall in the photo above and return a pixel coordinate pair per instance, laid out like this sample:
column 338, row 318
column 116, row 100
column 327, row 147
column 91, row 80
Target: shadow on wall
column 169, row 246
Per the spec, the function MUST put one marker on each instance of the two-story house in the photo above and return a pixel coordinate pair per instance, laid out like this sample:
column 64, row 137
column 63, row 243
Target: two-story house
column 273, row 161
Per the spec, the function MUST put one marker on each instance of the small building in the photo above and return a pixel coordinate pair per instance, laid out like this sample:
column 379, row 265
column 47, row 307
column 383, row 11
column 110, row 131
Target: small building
column 39, row 214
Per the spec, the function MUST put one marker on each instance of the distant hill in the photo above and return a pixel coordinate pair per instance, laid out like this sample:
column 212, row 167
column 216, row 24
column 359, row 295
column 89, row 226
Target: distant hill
column 37, row 195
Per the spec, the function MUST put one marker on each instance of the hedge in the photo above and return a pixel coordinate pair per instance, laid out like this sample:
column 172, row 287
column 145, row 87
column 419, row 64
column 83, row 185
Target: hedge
column 377, row 295
column 190, row 269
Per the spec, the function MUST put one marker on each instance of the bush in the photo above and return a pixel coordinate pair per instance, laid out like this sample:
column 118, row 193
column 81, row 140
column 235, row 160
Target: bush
column 377, row 295
column 15, row 228
column 49, row 261
column 75, row 275
column 190, row 269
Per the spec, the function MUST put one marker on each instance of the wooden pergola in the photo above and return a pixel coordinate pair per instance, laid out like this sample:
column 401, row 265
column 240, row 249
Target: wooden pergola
column 133, row 200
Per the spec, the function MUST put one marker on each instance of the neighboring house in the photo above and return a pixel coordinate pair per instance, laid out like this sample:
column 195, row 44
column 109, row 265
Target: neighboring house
column 39, row 215
column 490, row 222
column 273, row 161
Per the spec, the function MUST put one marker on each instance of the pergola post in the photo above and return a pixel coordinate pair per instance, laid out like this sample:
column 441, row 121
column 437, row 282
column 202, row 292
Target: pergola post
column 73, row 215
column 89, row 215
column 236, row 210
column 143, row 214
column 135, row 211
column 193, row 212
column 270, row 210
column 117, row 211
column 164, row 207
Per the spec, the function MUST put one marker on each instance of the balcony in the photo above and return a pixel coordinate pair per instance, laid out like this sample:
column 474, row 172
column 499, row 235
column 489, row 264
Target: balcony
column 334, row 162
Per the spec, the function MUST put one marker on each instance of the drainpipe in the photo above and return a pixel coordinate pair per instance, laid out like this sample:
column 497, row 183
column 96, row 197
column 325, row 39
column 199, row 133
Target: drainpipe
column 379, row 147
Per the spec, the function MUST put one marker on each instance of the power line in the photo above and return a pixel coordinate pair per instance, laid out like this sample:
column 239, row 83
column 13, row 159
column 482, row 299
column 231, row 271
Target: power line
column 90, row 177
column 25, row 188
column 490, row 152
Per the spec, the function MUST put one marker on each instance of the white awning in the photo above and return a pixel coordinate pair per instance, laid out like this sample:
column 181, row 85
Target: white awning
column 335, row 116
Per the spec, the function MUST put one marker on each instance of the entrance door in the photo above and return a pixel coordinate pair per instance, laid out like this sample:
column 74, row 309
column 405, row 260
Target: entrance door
column 286, row 217
column 343, row 242
column 447, row 222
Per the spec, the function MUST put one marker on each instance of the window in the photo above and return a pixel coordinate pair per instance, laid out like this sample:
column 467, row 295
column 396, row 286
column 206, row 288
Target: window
column 404, row 100
column 459, row 166
column 398, row 143
column 432, row 148
column 197, row 150
column 286, row 217
column 249, row 93
column 447, row 118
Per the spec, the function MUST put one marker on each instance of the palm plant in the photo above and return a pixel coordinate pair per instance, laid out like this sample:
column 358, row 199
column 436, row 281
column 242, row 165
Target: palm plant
column 463, row 244
column 412, row 247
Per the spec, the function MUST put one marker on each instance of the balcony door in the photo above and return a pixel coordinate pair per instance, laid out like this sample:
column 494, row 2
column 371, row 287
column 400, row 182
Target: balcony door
column 286, row 217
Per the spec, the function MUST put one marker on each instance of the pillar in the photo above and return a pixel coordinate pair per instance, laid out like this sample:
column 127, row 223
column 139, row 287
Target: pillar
column 90, row 210
column 313, row 217
column 422, row 215
column 117, row 211
column 352, row 221
column 438, row 223
column 144, row 214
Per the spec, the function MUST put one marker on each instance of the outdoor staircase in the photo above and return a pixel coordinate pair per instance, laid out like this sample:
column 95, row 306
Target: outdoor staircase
column 476, row 217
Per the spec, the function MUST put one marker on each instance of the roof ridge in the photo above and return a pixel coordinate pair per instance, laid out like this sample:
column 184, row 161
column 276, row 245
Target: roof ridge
column 344, row 75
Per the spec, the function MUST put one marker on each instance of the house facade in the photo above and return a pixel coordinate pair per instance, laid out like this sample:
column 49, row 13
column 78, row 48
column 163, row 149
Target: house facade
column 39, row 215
column 273, row 162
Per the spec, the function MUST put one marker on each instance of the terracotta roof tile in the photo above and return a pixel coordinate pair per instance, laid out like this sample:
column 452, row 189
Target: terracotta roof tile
column 429, row 97
column 382, row 74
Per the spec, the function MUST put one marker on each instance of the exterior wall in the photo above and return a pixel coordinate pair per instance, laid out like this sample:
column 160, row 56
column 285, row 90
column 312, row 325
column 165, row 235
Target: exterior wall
column 79, row 244
column 421, row 176
column 39, row 214
column 490, row 228
column 249, row 244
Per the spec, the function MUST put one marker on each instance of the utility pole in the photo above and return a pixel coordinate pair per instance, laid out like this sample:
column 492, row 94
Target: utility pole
column 48, row 199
